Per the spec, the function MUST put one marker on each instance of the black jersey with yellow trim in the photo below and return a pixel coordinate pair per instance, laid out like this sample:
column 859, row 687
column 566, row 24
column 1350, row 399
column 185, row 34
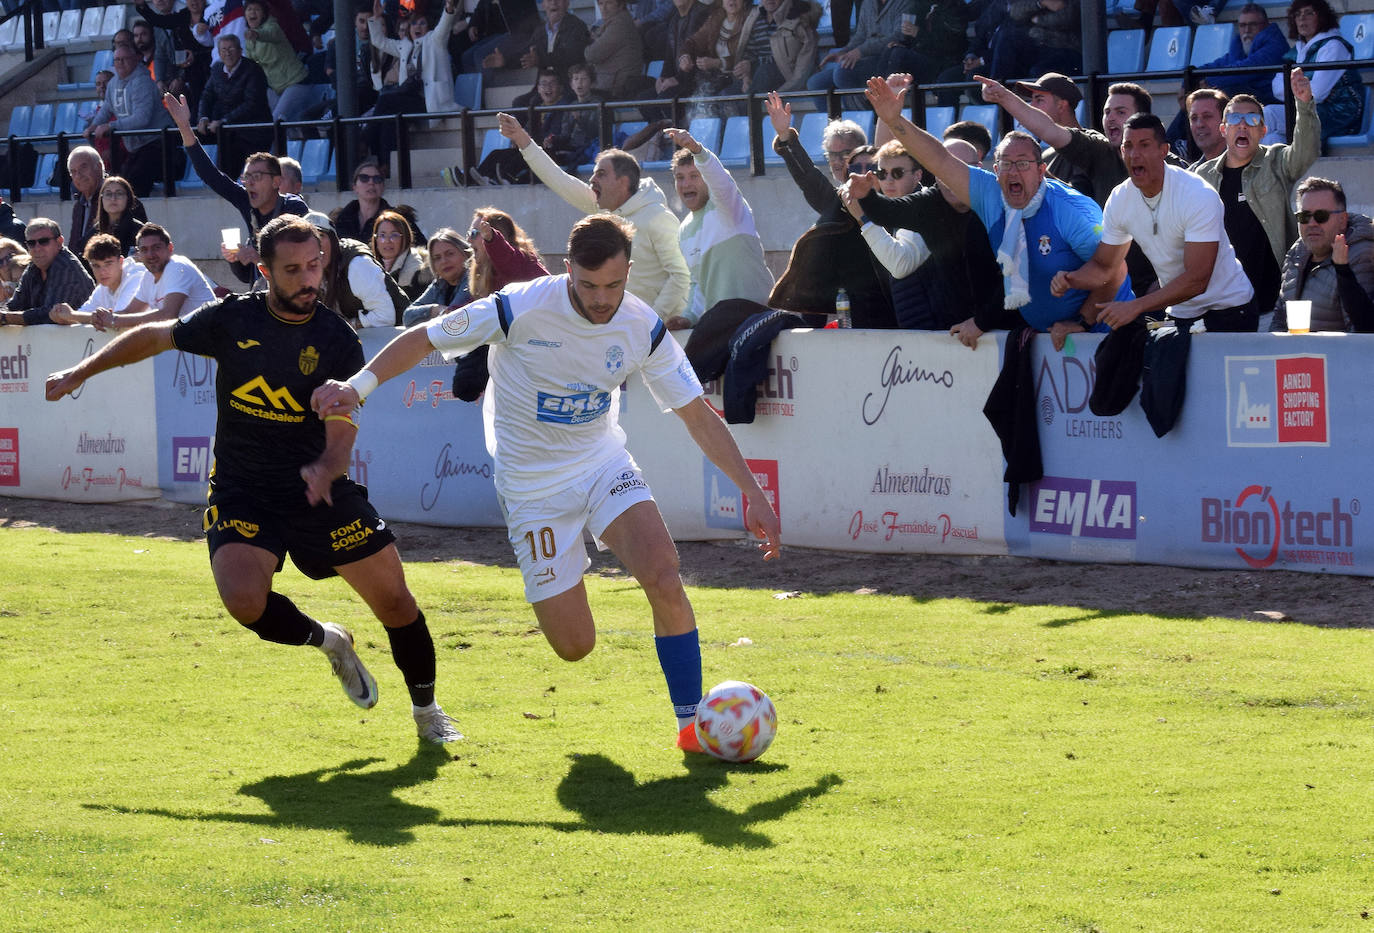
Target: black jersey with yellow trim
column 268, row 366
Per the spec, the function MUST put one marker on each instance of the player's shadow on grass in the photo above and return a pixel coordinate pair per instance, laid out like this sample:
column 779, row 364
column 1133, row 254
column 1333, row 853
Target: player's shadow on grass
column 608, row 799
column 359, row 803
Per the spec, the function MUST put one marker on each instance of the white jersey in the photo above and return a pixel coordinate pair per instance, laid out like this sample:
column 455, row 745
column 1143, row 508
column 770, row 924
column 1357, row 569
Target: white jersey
column 554, row 396
column 130, row 287
column 179, row 277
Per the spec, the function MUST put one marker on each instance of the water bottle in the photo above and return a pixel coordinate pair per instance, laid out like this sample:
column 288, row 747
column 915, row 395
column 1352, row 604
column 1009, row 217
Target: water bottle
column 842, row 315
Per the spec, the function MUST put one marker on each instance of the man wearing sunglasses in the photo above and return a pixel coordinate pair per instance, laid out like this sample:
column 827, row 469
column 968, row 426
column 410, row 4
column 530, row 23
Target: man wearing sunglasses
column 256, row 196
column 1087, row 160
column 1331, row 264
column 1037, row 225
column 1254, row 181
column 54, row 276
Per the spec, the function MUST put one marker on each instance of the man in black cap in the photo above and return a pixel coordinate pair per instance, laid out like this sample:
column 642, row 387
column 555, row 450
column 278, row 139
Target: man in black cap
column 1056, row 96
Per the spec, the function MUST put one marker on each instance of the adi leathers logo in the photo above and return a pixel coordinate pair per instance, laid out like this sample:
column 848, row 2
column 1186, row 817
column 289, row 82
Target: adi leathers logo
column 1084, row 508
column 1261, row 530
column 194, row 376
column 1063, row 389
column 1277, row 401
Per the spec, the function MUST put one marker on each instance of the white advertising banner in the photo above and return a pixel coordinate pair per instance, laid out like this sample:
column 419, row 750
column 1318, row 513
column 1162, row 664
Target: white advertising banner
column 99, row 445
column 865, row 440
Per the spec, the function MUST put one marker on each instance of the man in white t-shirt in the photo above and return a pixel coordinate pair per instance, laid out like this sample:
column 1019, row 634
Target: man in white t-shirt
column 119, row 280
column 560, row 348
column 175, row 286
column 1179, row 222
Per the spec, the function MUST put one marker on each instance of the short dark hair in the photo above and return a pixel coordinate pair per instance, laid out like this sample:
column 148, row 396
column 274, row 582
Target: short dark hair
column 597, row 238
column 156, row 230
column 1245, row 99
column 1207, row 93
column 971, row 132
column 623, row 165
column 102, row 246
column 580, row 67
column 682, row 157
column 1021, row 136
column 1147, row 121
column 1144, row 103
column 1317, row 183
column 272, row 161
column 288, row 228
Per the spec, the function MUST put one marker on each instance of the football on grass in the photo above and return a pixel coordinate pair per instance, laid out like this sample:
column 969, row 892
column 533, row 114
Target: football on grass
column 736, row 721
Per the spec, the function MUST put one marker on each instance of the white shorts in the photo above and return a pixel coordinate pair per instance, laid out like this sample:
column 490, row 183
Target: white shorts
column 546, row 534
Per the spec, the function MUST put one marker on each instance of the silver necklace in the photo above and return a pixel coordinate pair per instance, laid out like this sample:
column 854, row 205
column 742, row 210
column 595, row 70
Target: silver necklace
column 1152, row 204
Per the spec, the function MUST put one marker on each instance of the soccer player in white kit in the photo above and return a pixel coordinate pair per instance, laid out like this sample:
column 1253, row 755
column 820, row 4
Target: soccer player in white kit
column 560, row 348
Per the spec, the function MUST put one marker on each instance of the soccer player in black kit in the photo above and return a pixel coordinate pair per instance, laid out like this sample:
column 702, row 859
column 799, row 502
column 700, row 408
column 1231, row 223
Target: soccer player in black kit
column 279, row 485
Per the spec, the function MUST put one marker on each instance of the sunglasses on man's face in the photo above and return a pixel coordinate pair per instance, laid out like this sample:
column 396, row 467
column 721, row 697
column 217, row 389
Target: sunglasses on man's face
column 40, row 241
column 897, row 173
column 1249, row 119
column 1320, row 217
column 371, row 179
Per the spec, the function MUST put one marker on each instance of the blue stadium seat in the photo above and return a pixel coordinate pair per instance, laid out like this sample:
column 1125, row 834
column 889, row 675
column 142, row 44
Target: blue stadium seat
column 492, row 141
column 91, row 22
column 40, row 124
column 1169, row 49
column 9, row 29
column 810, row 132
column 189, row 178
column 1358, row 30
column 734, row 142
column 46, row 164
column 938, row 119
column 103, row 61
column 294, row 148
column 624, row 131
column 314, row 160
column 986, row 114
column 1125, row 51
column 20, row 118
column 1210, row 42
column 67, row 121
column 113, row 21
column 467, row 90
column 69, row 26
column 1366, row 134
column 707, row 131
column 864, row 118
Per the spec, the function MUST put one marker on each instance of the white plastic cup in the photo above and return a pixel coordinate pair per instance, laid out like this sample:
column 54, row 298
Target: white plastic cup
column 230, row 237
column 1299, row 317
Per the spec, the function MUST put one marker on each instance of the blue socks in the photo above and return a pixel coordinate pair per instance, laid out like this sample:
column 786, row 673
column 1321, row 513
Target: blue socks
column 680, row 658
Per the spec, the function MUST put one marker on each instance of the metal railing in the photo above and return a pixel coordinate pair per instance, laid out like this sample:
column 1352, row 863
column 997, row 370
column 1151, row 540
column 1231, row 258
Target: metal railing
column 343, row 132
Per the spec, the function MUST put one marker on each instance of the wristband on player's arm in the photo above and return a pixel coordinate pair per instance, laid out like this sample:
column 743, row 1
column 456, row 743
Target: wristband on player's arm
column 363, row 382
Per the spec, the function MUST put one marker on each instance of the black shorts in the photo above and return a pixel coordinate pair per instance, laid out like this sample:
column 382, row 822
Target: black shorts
column 318, row 539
